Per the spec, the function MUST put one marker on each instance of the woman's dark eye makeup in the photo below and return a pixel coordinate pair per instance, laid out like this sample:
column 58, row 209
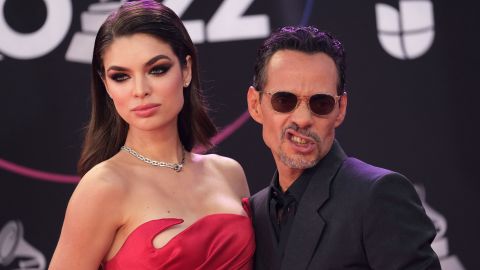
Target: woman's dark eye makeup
column 156, row 70
column 119, row 77
column 160, row 69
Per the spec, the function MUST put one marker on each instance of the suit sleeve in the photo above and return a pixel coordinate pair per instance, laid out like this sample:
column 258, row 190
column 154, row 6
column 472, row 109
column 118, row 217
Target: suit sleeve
column 397, row 231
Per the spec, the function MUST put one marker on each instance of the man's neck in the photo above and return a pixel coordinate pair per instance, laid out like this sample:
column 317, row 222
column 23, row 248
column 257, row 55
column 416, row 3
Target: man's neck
column 287, row 176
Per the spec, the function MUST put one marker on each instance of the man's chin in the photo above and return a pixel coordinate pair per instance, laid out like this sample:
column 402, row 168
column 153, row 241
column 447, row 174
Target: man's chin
column 298, row 161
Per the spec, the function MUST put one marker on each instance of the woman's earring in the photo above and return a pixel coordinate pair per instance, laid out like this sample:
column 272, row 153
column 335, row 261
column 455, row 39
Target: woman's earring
column 186, row 84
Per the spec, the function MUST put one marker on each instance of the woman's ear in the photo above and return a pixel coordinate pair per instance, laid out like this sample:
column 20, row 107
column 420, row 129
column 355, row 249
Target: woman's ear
column 254, row 106
column 187, row 71
column 105, row 85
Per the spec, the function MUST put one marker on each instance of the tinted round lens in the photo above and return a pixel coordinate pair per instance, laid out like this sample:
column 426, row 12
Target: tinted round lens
column 322, row 104
column 284, row 102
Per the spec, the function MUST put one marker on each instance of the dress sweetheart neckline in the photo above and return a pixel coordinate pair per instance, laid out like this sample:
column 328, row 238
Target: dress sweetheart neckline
column 178, row 221
column 181, row 220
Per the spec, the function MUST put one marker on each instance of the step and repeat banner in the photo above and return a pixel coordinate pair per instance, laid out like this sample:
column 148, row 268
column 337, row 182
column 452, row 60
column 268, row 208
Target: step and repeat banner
column 412, row 80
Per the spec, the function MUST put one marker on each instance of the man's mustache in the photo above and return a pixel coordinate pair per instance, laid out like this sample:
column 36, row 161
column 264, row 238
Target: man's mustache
column 305, row 132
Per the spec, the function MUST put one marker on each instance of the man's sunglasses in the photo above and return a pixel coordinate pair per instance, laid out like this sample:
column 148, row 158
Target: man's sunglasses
column 319, row 104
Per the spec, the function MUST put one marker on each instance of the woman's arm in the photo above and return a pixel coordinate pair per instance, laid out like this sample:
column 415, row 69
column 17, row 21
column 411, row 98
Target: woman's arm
column 93, row 215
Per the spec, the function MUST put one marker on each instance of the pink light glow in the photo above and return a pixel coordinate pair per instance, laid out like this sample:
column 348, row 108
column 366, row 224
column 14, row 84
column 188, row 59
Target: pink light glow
column 64, row 178
column 32, row 173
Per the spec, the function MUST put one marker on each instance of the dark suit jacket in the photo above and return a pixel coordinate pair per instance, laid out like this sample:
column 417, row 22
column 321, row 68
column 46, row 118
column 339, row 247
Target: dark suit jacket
column 351, row 216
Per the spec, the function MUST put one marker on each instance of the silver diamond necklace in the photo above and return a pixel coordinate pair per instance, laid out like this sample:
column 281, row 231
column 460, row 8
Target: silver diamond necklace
column 174, row 166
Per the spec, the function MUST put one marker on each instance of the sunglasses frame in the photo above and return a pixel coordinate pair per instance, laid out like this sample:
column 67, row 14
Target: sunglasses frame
column 306, row 99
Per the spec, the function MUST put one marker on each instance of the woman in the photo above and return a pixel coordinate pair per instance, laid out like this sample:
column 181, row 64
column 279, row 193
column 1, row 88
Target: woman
column 145, row 201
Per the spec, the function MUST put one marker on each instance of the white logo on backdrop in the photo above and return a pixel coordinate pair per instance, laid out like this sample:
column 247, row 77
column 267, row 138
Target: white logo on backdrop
column 81, row 46
column 14, row 246
column 44, row 40
column 407, row 33
column 440, row 243
column 227, row 24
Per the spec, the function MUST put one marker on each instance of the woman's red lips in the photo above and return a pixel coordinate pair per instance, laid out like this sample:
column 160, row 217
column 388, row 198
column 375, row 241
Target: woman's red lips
column 146, row 110
column 145, row 107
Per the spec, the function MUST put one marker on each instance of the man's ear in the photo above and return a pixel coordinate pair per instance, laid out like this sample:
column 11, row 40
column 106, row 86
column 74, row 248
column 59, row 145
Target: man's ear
column 342, row 103
column 253, row 99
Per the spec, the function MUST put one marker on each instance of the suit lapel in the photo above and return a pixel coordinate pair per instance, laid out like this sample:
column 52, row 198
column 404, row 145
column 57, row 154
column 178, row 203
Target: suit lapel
column 308, row 225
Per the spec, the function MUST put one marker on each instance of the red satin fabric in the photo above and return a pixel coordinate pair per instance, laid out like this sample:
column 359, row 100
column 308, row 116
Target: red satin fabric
column 217, row 241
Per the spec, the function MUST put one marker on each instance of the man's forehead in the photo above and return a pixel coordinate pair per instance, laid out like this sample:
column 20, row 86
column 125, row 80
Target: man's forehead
column 293, row 67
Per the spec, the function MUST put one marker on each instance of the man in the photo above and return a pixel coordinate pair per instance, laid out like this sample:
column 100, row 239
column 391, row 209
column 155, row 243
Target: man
column 324, row 210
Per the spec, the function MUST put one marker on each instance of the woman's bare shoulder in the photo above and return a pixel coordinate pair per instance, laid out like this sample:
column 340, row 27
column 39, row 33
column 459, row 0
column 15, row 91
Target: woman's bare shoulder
column 219, row 162
column 230, row 169
column 94, row 213
column 109, row 173
column 104, row 184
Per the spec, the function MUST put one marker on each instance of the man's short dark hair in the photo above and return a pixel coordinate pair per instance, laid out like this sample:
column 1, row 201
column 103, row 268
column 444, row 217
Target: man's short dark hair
column 307, row 39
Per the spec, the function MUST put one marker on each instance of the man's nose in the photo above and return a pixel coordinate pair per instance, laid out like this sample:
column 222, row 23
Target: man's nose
column 302, row 116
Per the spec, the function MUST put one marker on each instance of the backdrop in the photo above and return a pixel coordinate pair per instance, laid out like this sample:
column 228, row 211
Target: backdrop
column 412, row 81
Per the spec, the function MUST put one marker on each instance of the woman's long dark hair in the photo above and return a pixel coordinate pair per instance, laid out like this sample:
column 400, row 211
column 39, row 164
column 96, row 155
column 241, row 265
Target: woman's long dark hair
column 107, row 131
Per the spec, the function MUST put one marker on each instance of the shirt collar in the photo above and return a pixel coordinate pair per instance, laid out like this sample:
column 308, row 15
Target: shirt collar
column 296, row 189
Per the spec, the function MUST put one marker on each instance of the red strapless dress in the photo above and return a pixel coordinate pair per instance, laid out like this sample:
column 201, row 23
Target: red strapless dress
column 217, row 241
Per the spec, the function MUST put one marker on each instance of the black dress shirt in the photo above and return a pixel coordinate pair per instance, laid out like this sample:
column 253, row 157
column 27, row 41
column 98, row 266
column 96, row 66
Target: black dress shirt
column 283, row 206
